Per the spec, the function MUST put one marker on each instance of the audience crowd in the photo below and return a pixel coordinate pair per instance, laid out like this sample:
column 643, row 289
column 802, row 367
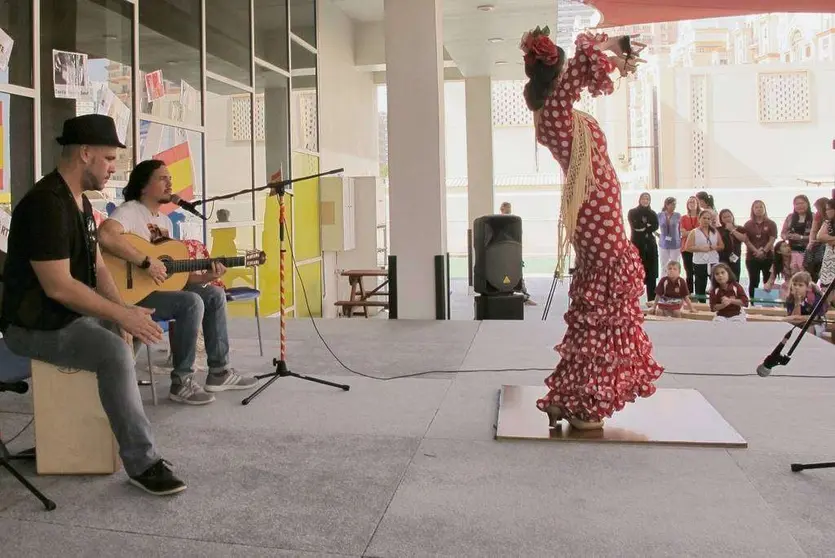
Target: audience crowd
column 790, row 264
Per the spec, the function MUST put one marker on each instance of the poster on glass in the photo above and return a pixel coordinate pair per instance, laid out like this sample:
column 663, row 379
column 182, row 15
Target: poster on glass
column 6, row 45
column 69, row 70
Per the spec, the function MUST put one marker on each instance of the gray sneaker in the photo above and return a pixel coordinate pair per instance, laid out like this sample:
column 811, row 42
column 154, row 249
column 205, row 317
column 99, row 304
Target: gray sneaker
column 227, row 380
column 190, row 393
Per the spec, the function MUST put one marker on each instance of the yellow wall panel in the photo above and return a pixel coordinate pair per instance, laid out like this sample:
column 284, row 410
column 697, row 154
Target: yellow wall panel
column 309, row 275
column 306, row 207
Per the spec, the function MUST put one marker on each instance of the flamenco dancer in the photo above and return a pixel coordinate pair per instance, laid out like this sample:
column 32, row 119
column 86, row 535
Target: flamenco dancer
column 606, row 357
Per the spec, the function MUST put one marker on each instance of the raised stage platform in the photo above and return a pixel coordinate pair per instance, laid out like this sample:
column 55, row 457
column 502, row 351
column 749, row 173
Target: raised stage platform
column 671, row 416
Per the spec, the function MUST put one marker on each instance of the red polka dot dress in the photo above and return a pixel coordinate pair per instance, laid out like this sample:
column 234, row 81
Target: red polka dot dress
column 606, row 356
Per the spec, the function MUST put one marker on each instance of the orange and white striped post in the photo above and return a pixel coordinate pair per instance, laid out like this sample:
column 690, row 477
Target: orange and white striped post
column 277, row 177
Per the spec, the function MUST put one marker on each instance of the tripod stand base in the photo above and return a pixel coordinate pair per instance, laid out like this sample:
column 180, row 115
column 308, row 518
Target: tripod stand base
column 802, row 466
column 281, row 371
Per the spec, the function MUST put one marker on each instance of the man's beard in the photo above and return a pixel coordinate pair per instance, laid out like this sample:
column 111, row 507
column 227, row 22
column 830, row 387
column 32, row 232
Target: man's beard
column 165, row 198
column 90, row 183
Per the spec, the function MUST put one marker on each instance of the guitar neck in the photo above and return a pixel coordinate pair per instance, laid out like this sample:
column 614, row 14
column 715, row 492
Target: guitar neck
column 191, row 266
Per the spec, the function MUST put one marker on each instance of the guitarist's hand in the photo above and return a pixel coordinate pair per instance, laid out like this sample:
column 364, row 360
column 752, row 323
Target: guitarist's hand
column 218, row 271
column 157, row 271
column 137, row 321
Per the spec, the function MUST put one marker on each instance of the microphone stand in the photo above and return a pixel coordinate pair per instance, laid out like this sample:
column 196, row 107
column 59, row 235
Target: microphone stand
column 281, row 369
column 550, row 299
column 6, row 457
column 784, row 359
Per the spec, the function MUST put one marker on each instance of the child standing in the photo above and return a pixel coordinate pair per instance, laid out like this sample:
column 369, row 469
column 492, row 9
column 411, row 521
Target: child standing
column 672, row 292
column 727, row 297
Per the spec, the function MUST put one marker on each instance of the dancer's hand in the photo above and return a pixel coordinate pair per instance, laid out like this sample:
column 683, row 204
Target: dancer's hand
column 626, row 64
column 615, row 44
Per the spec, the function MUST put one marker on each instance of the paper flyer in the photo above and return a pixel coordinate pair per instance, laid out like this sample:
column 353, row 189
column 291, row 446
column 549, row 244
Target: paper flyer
column 6, row 44
column 154, row 86
column 107, row 102
column 69, row 70
column 188, row 97
column 104, row 97
column 120, row 113
column 5, row 225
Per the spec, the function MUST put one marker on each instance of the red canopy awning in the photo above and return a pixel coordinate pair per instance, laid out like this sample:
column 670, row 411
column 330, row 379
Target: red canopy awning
column 636, row 12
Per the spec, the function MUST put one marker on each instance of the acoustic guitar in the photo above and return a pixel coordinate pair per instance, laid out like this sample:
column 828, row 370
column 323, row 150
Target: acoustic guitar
column 135, row 284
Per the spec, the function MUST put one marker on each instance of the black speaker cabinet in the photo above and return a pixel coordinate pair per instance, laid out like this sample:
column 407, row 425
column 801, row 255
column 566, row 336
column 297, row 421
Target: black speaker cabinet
column 500, row 307
column 497, row 254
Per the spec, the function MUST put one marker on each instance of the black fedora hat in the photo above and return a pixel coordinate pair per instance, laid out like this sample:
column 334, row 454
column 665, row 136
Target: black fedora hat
column 90, row 129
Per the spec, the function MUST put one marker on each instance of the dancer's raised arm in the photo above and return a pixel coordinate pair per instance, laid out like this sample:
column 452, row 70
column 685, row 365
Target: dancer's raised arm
column 588, row 68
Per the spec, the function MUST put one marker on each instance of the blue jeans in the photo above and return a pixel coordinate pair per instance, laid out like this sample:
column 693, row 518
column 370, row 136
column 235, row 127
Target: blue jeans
column 189, row 308
column 89, row 344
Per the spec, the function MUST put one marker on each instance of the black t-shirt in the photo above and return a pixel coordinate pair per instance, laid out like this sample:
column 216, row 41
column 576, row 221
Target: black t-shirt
column 46, row 226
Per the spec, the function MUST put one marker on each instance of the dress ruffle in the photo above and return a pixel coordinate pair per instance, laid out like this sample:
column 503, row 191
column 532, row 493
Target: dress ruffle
column 599, row 65
column 606, row 356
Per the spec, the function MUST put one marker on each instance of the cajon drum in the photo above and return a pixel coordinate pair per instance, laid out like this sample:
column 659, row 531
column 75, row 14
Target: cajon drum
column 72, row 432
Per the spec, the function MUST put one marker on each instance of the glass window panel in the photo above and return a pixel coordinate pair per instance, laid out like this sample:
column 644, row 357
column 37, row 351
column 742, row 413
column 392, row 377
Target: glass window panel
column 272, row 151
column 271, row 42
column 169, row 60
column 86, row 64
column 228, row 44
column 17, row 156
column 182, row 152
column 231, row 225
column 303, row 20
column 16, row 21
column 305, row 100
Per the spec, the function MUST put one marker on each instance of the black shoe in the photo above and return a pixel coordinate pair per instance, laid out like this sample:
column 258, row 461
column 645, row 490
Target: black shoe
column 159, row 480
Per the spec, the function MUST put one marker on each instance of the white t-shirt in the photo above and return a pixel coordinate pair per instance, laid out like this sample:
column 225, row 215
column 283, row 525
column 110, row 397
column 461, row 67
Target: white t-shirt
column 702, row 240
column 137, row 219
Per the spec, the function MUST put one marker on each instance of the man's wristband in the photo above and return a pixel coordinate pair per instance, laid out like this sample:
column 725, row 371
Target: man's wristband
column 146, row 263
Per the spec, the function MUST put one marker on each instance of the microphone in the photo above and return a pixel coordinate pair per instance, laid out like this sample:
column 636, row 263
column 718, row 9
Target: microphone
column 188, row 206
column 775, row 358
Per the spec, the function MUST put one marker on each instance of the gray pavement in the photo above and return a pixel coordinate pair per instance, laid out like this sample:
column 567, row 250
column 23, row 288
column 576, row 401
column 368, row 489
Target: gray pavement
column 409, row 467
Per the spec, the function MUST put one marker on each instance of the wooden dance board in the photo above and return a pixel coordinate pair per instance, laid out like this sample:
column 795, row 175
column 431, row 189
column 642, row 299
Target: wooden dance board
column 671, row 416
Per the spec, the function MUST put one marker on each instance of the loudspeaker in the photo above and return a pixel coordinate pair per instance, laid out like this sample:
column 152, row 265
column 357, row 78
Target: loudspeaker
column 497, row 254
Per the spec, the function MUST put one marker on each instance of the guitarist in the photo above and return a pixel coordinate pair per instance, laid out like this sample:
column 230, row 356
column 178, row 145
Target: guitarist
column 148, row 188
column 61, row 305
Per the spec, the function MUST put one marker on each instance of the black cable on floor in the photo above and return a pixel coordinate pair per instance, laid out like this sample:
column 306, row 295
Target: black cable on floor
column 471, row 371
column 22, row 430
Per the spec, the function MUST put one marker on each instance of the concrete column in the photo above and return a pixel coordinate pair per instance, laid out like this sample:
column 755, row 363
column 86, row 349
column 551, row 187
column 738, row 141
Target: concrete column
column 667, row 119
column 479, row 103
column 417, row 184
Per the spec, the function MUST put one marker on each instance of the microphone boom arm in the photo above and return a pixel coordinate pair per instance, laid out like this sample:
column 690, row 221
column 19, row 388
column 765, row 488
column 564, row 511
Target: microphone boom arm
column 279, row 185
column 782, row 360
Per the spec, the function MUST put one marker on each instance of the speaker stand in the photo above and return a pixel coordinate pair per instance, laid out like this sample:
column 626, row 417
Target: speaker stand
column 509, row 306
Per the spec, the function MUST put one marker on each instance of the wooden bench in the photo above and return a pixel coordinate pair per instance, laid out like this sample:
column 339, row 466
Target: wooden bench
column 707, row 315
column 759, row 310
column 72, row 432
column 360, row 298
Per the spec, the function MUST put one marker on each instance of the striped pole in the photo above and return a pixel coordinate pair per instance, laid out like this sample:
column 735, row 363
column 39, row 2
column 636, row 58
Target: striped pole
column 282, row 328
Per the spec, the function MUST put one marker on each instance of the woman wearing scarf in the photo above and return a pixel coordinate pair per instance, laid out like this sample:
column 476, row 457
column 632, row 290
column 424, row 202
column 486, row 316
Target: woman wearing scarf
column 606, row 355
column 644, row 222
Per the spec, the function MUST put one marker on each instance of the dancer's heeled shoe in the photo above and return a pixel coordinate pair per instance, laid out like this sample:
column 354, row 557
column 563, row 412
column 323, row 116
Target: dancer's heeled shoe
column 555, row 415
column 584, row 424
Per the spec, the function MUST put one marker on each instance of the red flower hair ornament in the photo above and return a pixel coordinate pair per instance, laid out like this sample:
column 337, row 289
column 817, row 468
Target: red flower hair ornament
column 537, row 45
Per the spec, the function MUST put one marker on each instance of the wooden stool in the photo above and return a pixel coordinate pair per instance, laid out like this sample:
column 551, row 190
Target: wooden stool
column 72, row 432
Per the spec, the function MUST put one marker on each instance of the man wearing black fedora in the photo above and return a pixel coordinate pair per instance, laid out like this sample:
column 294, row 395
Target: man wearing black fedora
column 60, row 303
